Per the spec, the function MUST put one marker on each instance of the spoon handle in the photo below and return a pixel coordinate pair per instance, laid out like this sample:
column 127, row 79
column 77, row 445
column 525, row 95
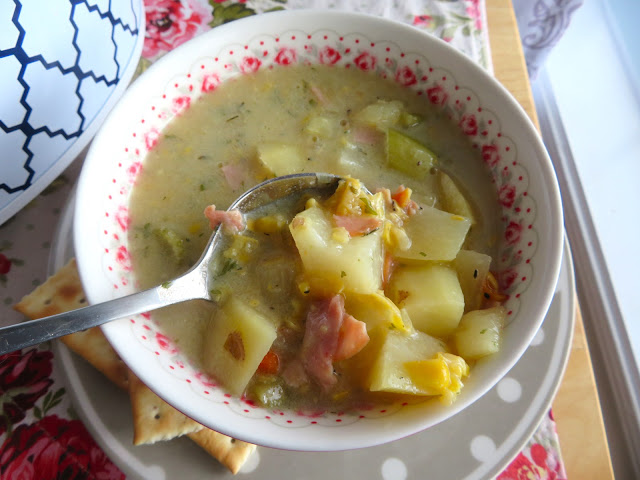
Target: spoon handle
column 21, row 335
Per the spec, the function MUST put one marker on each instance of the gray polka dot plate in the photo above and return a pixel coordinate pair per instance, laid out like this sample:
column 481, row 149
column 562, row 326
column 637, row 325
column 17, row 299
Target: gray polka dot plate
column 477, row 443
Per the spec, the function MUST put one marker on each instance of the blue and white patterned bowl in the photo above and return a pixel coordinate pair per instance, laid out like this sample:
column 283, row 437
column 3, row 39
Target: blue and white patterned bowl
column 63, row 65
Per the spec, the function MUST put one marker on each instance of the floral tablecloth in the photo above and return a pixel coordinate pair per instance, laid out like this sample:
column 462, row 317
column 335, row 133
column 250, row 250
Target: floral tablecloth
column 40, row 434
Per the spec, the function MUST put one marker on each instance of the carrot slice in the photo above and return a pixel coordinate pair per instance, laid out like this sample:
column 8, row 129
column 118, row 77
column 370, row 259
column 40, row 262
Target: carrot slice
column 387, row 268
column 402, row 196
column 270, row 364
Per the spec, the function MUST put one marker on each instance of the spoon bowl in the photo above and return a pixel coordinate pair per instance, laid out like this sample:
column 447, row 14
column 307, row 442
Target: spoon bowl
column 196, row 283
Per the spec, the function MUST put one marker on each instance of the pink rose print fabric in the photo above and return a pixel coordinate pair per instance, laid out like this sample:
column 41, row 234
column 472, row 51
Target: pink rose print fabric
column 54, row 448
column 23, row 380
column 170, row 23
column 38, row 445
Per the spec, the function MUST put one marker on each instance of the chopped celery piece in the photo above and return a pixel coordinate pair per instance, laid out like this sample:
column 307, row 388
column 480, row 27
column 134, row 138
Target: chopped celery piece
column 381, row 114
column 408, row 155
column 172, row 241
column 268, row 394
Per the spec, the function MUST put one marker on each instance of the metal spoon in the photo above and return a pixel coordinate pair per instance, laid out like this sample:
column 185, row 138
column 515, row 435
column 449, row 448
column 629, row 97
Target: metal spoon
column 195, row 284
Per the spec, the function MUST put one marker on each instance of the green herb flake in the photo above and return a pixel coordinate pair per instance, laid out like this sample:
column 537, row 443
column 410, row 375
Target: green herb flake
column 228, row 266
column 343, row 274
column 232, row 118
column 483, row 331
column 475, row 273
column 368, row 208
column 202, row 187
column 423, row 254
column 371, row 231
column 166, row 284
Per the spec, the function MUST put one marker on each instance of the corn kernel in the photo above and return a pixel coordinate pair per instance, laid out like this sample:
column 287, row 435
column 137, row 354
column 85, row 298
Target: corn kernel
column 241, row 249
column 340, row 235
column 340, row 396
column 457, row 365
column 395, row 238
column 195, row 228
column 267, row 224
column 304, row 287
column 430, row 374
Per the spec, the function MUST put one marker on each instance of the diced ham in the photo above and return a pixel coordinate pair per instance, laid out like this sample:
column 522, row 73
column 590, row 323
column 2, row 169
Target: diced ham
column 330, row 335
column 317, row 92
column 366, row 135
column 358, row 224
column 412, row 208
column 352, row 338
column 234, row 175
column 386, row 196
column 231, row 220
column 321, row 339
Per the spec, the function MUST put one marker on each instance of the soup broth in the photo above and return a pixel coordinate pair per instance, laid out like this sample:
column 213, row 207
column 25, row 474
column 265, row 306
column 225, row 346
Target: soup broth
column 275, row 122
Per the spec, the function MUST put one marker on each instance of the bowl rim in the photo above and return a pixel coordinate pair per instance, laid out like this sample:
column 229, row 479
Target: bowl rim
column 360, row 436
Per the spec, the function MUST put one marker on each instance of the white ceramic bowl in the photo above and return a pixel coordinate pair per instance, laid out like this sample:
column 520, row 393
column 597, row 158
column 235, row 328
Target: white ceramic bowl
column 531, row 249
column 64, row 67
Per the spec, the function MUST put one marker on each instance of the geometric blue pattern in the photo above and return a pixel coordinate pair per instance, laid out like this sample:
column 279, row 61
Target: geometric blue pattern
column 60, row 61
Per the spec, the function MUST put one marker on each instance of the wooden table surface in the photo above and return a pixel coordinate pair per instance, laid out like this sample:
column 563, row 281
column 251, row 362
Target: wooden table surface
column 576, row 407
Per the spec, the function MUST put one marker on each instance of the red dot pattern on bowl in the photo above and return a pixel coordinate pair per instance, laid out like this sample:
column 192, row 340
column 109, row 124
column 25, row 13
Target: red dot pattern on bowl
column 349, row 50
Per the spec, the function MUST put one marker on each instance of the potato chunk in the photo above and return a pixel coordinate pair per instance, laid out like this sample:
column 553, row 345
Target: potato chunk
column 389, row 372
column 281, row 158
column 435, row 234
column 333, row 263
column 431, row 295
column 480, row 333
column 236, row 340
column 472, row 268
column 453, row 200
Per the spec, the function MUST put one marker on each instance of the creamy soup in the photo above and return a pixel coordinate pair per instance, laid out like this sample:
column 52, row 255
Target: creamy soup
column 351, row 123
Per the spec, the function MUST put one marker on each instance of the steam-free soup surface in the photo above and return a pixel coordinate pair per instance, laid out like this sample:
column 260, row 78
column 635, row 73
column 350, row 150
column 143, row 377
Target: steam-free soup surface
column 275, row 122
